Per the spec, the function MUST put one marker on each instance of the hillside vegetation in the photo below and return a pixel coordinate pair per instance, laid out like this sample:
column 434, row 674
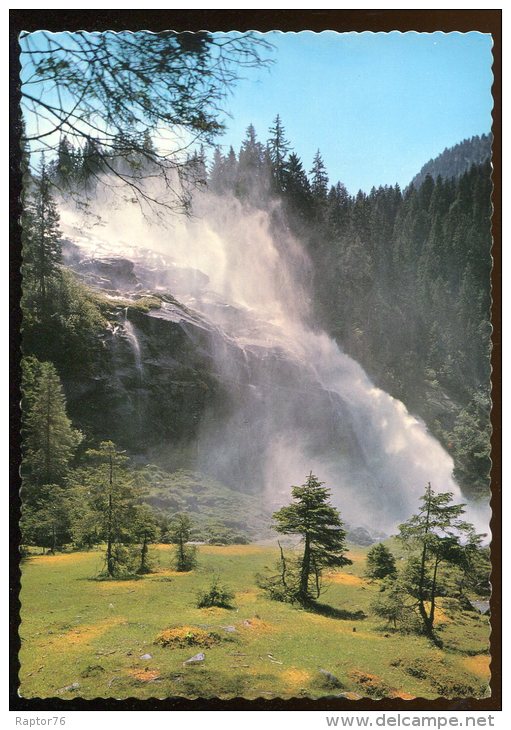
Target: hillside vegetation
column 455, row 161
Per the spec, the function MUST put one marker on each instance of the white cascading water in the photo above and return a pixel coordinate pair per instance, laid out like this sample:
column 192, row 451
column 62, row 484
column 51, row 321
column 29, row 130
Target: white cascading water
column 296, row 402
column 134, row 343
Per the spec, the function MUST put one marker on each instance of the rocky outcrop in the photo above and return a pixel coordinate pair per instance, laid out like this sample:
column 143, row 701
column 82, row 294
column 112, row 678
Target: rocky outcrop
column 151, row 384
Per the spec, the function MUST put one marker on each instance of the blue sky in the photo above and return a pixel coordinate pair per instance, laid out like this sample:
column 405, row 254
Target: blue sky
column 378, row 105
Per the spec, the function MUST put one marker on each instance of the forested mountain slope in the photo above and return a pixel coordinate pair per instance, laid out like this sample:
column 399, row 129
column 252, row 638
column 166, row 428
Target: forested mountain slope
column 454, row 161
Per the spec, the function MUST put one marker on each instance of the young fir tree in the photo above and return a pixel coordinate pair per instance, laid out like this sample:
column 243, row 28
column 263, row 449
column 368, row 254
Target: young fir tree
column 145, row 532
column 111, row 490
column 91, row 163
column 64, row 167
column 380, row 562
column 319, row 524
column 319, row 179
column 251, row 152
column 436, row 536
column 216, row 181
column 251, row 180
column 278, row 148
column 49, row 438
column 179, row 533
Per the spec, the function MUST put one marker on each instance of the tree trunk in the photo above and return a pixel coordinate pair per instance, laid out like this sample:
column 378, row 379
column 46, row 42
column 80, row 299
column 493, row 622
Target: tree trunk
column 433, row 592
column 317, row 577
column 181, row 553
column 47, row 436
column 42, row 257
column 283, row 564
column 422, row 575
column 427, row 618
column 305, row 572
column 109, row 555
column 143, row 555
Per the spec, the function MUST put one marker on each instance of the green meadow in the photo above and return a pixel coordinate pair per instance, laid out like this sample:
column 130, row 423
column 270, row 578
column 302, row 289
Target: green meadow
column 83, row 637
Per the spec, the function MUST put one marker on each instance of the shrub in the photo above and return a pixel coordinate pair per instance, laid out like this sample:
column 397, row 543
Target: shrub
column 283, row 582
column 185, row 556
column 393, row 604
column 217, row 595
column 182, row 636
column 422, row 667
column 122, row 562
column 451, row 688
column 371, row 685
column 216, row 534
column 275, row 590
column 380, row 562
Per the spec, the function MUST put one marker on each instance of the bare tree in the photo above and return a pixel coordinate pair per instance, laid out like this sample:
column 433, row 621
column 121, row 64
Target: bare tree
column 136, row 105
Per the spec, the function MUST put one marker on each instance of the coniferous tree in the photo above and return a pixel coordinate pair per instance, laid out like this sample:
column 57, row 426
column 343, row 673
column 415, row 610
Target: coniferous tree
column 196, row 169
column 435, row 536
column 113, row 493
column 278, row 148
column 394, row 603
column 42, row 249
column 322, row 532
column 47, row 517
column 251, row 182
column 180, row 533
column 380, row 562
column 296, row 188
column 148, row 145
column 49, row 437
column 145, row 531
column 64, row 167
column 92, row 163
column 338, row 215
column 230, row 170
column 251, row 152
column 319, row 180
column 215, row 176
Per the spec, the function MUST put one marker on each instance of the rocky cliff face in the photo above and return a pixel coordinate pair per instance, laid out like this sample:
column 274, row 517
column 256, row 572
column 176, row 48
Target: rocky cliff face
column 153, row 378
column 172, row 387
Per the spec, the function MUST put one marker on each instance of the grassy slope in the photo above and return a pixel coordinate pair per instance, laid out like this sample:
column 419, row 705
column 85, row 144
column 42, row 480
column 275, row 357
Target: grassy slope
column 78, row 630
column 207, row 501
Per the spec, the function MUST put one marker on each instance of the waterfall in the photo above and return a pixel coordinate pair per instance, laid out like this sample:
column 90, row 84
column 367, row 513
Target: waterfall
column 293, row 400
column 132, row 338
